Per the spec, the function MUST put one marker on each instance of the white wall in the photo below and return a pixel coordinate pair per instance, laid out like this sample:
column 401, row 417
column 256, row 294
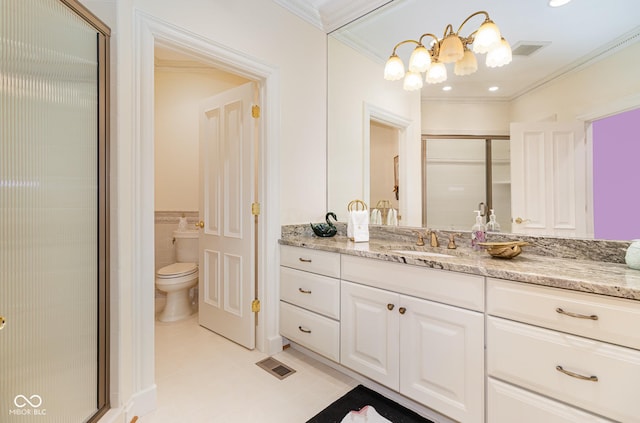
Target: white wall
column 356, row 81
column 267, row 32
column 607, row 81
column 465, row 117
column 178, row 93
column 257, row 29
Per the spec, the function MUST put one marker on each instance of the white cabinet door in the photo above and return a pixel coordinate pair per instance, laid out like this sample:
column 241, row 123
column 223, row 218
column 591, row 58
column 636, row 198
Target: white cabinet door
column 369, row 333
column 442, row 358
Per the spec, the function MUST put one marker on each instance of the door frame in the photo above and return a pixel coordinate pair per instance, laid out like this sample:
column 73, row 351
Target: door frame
column 149, row 32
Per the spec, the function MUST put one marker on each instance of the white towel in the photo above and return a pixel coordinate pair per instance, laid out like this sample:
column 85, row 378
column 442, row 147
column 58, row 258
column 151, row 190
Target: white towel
column 376, row 217
column 392, row 217
column 367, row 414
column 358, row 226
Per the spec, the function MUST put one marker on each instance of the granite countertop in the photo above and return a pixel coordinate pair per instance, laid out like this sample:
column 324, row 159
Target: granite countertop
column 604, row 278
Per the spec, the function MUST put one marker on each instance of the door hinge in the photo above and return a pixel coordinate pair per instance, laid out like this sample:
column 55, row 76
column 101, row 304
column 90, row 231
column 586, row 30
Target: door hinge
column 255, row 306
column 255, row 111
column 255, row 209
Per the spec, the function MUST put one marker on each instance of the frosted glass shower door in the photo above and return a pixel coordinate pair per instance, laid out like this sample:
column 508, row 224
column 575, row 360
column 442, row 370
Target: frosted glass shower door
column 50, row 254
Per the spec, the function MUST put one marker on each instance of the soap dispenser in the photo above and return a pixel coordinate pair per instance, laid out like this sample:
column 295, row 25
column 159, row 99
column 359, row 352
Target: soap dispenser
column 478, row 232
column 493, row 225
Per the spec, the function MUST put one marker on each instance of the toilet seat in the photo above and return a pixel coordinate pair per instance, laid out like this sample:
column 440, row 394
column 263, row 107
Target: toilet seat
column 177, row 270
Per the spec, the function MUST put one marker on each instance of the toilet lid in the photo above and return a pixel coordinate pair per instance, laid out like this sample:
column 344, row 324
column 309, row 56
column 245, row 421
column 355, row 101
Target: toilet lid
column 177, row 269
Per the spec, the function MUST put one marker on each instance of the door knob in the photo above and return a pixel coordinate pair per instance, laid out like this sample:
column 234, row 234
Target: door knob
column 200, row 224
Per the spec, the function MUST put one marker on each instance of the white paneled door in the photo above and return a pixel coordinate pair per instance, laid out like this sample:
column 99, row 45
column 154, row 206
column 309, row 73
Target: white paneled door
column 227, row 240
column 548, row 178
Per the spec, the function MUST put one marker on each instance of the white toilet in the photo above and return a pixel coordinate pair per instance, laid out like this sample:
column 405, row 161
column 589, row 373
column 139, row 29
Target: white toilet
column 178, row 278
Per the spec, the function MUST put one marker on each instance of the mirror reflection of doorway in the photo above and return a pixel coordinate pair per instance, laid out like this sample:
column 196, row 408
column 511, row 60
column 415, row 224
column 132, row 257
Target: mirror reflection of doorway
column 384, row 191
column 462, row 174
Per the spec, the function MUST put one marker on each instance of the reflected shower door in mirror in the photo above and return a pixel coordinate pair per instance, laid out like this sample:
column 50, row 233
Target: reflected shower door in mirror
column 462, row 174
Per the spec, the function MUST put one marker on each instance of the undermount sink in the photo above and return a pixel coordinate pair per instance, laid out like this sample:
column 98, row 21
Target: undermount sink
column 421, row 253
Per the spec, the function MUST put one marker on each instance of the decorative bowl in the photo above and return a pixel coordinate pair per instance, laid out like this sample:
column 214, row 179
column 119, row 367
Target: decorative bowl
column 507, row 250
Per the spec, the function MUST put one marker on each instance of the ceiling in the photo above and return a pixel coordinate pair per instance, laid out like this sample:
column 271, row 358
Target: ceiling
column 572, row 36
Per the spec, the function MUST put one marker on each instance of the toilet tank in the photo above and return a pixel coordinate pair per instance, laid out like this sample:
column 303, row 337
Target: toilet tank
column 186, row 246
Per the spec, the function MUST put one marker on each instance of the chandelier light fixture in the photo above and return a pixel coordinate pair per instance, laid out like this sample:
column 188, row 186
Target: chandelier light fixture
column 451, row 48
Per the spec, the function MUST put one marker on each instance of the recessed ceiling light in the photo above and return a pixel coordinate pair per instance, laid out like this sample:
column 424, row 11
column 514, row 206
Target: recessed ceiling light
column 447, row 88
column 558, row 3
column 494, row 88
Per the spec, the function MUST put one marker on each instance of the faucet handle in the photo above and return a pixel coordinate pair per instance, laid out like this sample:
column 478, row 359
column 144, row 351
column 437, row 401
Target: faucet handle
column 420, row 241
column 452, row 241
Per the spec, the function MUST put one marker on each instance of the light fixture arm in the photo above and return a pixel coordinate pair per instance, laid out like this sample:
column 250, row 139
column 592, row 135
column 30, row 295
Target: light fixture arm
column 393, row 53
column 481, row 12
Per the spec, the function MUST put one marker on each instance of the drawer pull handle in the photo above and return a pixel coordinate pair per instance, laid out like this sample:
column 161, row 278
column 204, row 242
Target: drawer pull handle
column 576, row 375
column 304, row 291
column 304, row 260
column 402, row 310
column 390, row 307
column 304, row 330
column 576, row 315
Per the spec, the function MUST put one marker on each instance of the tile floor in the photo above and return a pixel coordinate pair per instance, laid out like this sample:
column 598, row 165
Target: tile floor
column 202, row 378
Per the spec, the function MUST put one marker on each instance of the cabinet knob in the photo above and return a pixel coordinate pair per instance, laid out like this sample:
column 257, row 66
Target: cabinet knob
column 200, row 224
column 402, row 310
column 390, row 307
column 520, row 220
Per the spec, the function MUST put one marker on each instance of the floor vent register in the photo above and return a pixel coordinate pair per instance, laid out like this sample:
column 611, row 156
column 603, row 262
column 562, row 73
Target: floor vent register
column 276, row 368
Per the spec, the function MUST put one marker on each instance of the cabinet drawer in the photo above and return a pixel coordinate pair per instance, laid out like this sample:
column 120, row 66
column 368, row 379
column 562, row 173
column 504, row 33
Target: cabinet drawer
column 535, row 358
column 507, row 404
column 311, row 291
column 318, row 333
column 315, row 261
column 566, row 311
column 453, row 288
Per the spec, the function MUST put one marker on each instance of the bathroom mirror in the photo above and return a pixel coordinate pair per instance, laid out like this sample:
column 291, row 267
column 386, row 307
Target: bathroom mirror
column 583, row 67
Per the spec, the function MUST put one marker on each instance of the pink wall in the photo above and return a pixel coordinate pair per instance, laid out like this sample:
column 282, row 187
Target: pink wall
column 616, row 176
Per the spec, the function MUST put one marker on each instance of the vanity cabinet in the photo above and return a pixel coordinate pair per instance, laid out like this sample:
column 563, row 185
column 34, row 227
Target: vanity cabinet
column 398, row 329
column 560, row 356
column 310, row 299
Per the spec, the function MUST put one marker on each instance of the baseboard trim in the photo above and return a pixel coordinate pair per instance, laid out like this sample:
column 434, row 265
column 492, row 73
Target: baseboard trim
column 274, row 345
column 142, row 403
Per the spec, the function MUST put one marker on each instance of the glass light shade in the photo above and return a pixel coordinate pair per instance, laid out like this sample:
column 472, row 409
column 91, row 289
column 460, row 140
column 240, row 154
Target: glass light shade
column 394, row 69
column 437, row 73
column 412, row 81
column 499, row 55
column 420, row 59
column 451, row 49
column 467, row 65
column 487, row 35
